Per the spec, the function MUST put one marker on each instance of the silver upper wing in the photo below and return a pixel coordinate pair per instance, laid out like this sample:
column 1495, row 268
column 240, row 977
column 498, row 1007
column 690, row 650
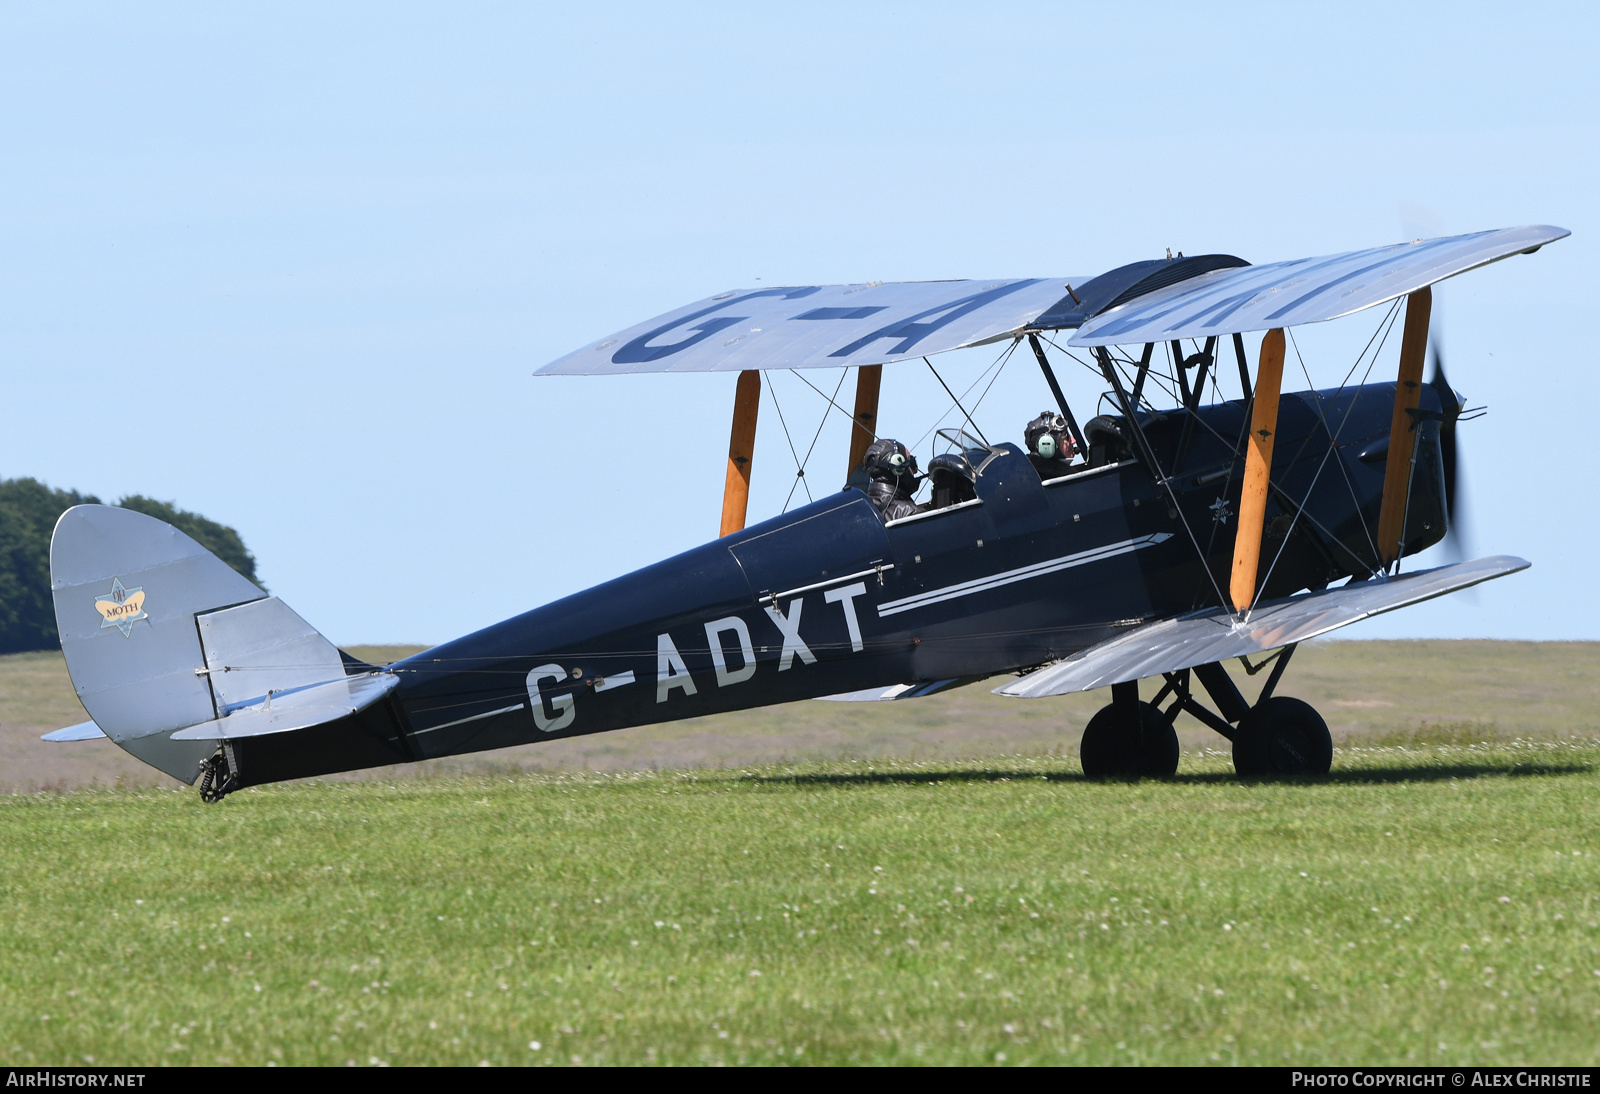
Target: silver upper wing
column 819, row 326
column 1305, row 290
column 1168, row 645
column 828, row 326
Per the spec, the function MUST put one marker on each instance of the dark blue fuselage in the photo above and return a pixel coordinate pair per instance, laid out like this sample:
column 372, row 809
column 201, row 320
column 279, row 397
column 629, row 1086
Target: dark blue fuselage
column 830, row 598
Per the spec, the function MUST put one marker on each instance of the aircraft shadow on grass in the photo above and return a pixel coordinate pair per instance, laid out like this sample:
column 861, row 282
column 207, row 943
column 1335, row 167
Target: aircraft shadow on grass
column 1359, row 777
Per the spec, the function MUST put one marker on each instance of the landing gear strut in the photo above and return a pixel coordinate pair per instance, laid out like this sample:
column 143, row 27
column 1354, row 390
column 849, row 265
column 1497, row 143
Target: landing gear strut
column 1279, row 735
column 1275, row 736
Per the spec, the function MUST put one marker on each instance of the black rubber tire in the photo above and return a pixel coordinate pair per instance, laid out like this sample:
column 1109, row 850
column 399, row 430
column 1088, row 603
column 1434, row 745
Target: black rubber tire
column 1107, row 753
column 1283, row 736
column 1245, row 764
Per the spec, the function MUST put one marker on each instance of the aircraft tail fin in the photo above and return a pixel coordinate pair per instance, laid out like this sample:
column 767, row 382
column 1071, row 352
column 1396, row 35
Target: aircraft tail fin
column 161, row 635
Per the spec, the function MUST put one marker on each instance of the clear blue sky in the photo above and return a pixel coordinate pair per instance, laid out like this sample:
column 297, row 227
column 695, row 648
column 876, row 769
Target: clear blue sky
column 293, row 266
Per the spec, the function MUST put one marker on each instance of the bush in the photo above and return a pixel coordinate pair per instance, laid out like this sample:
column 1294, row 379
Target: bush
column 28, row 513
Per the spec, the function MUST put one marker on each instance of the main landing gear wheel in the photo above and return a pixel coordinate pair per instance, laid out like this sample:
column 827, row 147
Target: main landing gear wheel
column 1282, row 736
column 1108, row 751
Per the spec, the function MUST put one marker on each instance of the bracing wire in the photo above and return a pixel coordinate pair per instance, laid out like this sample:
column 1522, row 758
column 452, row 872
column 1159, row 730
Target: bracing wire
column 1385, row 325
column 800, row 466
column 996, row 366
column 955, row 400
column 799, row 462
column 1380, row 336
column 824, row 421
column 998, row 362
column 1005, row 359
column 830, row 401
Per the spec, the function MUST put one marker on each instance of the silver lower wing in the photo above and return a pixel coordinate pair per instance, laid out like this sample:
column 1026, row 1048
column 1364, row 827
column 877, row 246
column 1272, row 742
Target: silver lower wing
column 898, row 691
column 1182, row 642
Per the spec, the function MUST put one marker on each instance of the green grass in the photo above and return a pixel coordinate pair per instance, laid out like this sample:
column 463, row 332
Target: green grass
column 1426, row 903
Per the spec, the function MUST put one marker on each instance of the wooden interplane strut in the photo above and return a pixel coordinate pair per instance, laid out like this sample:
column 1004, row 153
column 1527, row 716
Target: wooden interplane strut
column 1257, row 467
column 741, row 446
column 865, row 430
column 1403, row 426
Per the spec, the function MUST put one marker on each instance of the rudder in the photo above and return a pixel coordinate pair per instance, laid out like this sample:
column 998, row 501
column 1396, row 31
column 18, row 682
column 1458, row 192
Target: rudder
column 150, row 623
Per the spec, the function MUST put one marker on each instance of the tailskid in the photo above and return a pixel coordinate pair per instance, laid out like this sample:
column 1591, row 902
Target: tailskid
column 219, row 775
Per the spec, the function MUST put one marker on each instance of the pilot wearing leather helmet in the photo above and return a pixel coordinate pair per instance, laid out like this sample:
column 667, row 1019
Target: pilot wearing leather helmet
column 1050, row 447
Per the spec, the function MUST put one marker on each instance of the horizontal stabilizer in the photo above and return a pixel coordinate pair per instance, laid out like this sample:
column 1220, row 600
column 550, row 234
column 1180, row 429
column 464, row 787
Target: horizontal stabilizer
column 1168, row 645
column 820, row 326
column 898, row 691
column 83, row 731
column 298, row 709
column 1304, row 290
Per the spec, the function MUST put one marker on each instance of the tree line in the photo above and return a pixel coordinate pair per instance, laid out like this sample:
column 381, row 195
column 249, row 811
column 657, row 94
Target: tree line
column 28, row 513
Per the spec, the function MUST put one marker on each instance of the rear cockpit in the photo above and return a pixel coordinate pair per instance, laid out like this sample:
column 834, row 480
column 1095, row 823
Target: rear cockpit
column 953, row 472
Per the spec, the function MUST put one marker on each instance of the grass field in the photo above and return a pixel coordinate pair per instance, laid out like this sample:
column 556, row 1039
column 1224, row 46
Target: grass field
column 1437, row 899
column 1436, row 905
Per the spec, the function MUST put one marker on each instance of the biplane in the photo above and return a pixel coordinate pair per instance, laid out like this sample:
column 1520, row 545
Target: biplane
column 1182, row 528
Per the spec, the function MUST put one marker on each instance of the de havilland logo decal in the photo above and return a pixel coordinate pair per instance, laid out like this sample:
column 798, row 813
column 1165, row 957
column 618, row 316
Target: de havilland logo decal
column 121, row 607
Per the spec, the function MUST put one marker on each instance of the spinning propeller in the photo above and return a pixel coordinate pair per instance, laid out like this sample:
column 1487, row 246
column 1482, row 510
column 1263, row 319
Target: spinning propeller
column 1452, row 405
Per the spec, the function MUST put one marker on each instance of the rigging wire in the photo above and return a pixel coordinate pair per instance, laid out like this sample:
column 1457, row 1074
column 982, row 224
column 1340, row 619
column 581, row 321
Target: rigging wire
column 1167, row 382
column 1380, row 336
column 1193, row 540
column 843, row 373
column 995, row 366
column 1005, row 359
column 1326, row 456
column 1235, row 446
column 1166, row 483
column 953, row 398
column 813, row 447
column 1125, row 361
column 799, row 474
column 1385, row 327
column 833, row 404
column 998, row 361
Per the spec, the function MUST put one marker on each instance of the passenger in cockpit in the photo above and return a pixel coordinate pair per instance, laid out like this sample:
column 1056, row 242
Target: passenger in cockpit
column 891, row 478
column 1050, row 447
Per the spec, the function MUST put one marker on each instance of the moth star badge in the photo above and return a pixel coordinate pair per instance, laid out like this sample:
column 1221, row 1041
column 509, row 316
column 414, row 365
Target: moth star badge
column 121, row 608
